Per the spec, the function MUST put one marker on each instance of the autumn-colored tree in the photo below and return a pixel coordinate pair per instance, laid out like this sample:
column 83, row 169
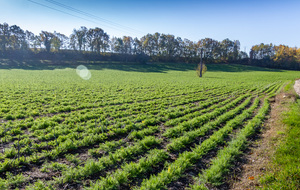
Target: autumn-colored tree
column 285, row 55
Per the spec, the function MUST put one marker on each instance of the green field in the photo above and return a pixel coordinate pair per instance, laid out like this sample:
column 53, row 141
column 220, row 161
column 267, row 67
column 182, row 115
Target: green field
column 155, row 126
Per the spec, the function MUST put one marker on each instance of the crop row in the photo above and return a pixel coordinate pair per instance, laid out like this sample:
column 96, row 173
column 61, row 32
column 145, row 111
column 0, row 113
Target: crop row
column 63, row 146
column 65, row 130
column 68, row 146
column 116, row 112
column 53, row 104
column 220, row 165
column 236, row 111
column 190, row 136
column 185, row 159
column 62, row 142
column 198, row 121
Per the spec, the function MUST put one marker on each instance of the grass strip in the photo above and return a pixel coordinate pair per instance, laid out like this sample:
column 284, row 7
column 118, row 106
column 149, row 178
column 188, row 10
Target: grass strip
column 285, row 169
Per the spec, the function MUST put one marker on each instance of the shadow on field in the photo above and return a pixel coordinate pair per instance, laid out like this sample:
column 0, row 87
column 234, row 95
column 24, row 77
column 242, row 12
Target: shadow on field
column 238, row 68
column 129, row 67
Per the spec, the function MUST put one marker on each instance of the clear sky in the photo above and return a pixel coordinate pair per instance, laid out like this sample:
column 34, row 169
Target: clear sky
column 250, row 21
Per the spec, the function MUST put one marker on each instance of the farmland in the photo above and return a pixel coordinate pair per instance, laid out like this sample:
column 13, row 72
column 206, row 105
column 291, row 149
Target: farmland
column 155, row 126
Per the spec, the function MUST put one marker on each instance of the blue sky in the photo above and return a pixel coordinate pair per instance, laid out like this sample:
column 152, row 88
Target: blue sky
column 250, row 21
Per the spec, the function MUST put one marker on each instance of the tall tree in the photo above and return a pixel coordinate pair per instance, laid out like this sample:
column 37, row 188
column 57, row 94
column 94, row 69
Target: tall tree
column 262, row 51
column 90, row 39
column 190, row 49
column 98, row 40
column 155, row 43
column 127, row 44
column 137, row 46
column 207, row 45
column 117, row 45
column 4, row 36
column 285, row 55
column 227, row 47
column 59, row 41
column 169, row 45
column 30, row 38
column 46, row 38
column 236, row 49
column 146, row 44
column 79, row 38
column 17, row 38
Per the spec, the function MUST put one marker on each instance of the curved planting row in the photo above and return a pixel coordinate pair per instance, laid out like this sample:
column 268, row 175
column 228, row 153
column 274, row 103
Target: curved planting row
column 220, row 165
column 60, row 133
column 130, row 142
column 42, row 107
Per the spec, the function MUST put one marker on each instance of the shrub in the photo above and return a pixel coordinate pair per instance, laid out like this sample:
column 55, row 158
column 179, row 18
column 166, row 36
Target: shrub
column 204, row 69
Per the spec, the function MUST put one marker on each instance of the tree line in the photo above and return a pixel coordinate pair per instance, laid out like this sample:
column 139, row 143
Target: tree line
column 269, row 55
column 96, row 44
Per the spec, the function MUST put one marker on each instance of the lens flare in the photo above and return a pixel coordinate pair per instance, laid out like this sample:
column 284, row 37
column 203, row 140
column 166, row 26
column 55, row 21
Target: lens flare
column 83, row 72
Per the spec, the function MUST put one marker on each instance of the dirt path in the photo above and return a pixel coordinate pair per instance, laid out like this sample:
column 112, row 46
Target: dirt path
column 261, row 152
column 297, row 86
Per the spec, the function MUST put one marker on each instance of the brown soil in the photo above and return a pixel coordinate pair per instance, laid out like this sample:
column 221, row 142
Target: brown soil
column 297, row 86
column 261, row 152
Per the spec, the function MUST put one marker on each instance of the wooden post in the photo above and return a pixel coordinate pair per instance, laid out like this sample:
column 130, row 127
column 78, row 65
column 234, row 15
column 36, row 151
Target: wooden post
column 201, row 63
